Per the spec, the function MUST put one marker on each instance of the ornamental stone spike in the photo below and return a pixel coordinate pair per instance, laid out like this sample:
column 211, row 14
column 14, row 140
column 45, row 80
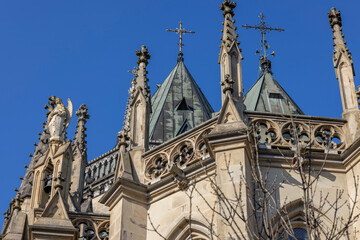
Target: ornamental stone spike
column 143, row 56
column 230, row 55
column 80, row 156
column 137, row 116
column 229, row 34
column 80, row 138
column 339, row 42
column 344, row 71
column 141, row 79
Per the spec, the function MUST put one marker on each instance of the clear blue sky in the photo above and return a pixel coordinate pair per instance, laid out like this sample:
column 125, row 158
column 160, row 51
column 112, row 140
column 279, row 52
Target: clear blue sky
column 83, row 49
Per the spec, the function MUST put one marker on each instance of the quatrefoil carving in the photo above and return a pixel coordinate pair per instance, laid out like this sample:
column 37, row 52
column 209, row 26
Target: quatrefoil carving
column 182, row 154
column 267, row 132
column 156, row 166
column 329, row 137
column 293, row 132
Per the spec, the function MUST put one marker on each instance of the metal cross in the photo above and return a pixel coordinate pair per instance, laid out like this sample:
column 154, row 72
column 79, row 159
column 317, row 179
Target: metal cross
column 263, row 28
column 180, row 31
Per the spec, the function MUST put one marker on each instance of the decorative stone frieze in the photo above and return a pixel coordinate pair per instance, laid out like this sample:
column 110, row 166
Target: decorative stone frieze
column 182, row 153
column 287, row 133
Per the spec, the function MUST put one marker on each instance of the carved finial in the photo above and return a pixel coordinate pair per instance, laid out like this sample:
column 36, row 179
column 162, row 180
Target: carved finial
column 229, row 37
column 123, row 138
column 227, row 6
column 265, row 65
column 339, row 42
column 82, row 113
column 228, row 84
column 80, row 138
column 141, row 80
column 334, row 17
column 143, row 55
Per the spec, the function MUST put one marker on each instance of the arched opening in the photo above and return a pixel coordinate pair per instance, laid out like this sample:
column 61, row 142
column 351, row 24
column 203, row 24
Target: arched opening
column 46, row 184
column 186, row 230
column 295, row 215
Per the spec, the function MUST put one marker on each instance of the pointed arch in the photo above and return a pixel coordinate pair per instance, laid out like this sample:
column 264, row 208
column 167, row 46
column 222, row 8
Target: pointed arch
column 181, row 229
column 295, row 214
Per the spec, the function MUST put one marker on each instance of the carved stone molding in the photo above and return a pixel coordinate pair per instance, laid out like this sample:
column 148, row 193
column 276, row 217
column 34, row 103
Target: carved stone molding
column 86, row 227
column 286, row 133
column 182, row 153
column 103, row 230
column 156, row 167
column 330, row 137
column 267, row 131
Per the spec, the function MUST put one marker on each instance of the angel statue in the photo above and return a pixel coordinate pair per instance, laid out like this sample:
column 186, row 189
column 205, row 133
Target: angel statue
column 59, row 119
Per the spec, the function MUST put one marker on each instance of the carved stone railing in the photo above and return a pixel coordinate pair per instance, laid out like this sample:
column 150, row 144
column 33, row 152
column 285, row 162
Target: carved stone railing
column 99, row 173
column 91, row 227
column 284, row 133
column 183, row 152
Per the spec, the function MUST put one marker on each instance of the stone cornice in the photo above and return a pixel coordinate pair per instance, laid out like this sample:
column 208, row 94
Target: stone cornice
column 167, row 186
column 295, row 117
column 123, row 188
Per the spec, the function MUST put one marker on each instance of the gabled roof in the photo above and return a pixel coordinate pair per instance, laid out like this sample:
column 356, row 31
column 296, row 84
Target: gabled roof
column 178, row 102
column 266, row 95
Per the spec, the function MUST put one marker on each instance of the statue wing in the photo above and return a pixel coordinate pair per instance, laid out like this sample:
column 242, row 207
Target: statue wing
column 69, row 112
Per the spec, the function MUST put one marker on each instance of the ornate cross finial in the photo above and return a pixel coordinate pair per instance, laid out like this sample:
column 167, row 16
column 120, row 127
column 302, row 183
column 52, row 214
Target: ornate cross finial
column 334, row 17
column 143, row 55
column 123, row 137
column 180, row 31
column 263, row 28
column 227, row 6
column 82, row 113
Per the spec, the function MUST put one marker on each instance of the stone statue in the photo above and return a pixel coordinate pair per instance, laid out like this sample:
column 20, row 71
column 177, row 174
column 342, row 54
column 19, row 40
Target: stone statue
column 59, row 119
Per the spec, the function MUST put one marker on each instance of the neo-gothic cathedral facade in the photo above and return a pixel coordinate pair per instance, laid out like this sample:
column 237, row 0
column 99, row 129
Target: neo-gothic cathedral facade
column 179, row 170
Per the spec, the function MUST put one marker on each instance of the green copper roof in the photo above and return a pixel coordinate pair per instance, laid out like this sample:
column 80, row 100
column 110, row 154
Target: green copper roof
column 178, row 105
column 266, row 95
